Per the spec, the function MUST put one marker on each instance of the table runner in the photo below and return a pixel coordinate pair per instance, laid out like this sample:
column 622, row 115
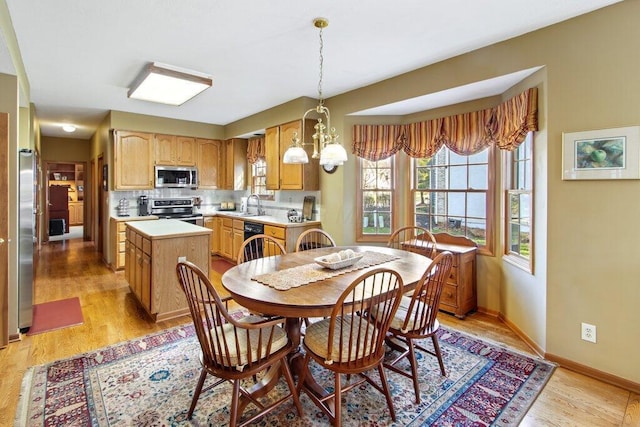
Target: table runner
column 309, row 273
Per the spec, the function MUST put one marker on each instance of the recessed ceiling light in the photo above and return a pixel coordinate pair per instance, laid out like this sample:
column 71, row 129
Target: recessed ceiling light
column 167, row 84
column 68, row 128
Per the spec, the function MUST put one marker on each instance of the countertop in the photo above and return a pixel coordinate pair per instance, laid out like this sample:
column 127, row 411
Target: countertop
column 167, row 228
column 264, row 219
column 134, row 218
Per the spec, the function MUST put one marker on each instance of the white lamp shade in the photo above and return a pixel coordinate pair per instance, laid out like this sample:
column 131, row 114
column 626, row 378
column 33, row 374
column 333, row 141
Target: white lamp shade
column 333, row 154
column 295, row 155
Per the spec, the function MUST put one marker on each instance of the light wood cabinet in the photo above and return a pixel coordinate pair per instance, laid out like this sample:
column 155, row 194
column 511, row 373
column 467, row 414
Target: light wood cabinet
column 281, row 176
column 76, row 213
column 133, row 160
column 459, row 295
column 279, row 234
column 150, row 269
column 287, row 235
column 231, row 237
column 234, row 164
column 213, row 224
column 138, row 267
column 118, row 242
column 208, row 162
column 238, row 237
column 226, row 238
column 172, row 150
column 216, row 236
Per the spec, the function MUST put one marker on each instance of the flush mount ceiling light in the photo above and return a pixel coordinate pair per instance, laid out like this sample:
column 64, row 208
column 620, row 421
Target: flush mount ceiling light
column 167, row 84
column 325, row 139
column 68, row 128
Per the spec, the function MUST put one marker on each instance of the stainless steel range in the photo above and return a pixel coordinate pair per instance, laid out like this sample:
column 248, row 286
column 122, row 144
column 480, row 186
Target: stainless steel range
column 176, row 208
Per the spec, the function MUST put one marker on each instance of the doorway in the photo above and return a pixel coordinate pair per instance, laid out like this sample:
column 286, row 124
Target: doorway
column 65, row 210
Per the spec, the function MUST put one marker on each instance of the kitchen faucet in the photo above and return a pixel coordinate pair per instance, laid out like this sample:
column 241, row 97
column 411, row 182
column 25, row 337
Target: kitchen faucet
column 260, row 210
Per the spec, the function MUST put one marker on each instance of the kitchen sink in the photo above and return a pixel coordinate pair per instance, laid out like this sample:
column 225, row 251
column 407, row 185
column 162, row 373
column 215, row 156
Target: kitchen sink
column 239, row 214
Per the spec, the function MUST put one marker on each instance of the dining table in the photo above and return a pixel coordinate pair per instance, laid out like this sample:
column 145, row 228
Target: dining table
column 296, row 287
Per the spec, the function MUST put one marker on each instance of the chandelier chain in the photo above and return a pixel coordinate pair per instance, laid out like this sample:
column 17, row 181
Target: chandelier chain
column 320, row 97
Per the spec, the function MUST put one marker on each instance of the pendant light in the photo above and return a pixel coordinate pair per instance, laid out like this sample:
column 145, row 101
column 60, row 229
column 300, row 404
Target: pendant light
column 325, row 139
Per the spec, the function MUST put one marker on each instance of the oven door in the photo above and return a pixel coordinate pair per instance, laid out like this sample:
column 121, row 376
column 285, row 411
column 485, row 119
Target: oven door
column 195, row 220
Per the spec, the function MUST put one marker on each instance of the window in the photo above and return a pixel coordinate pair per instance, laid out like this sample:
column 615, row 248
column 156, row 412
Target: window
column 259, row 180
column 453, row 193
column 519, row 195
column 375, row 216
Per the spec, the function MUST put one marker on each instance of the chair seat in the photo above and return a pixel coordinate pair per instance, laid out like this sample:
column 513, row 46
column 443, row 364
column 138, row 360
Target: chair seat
column 317, row 336
column 239, row 361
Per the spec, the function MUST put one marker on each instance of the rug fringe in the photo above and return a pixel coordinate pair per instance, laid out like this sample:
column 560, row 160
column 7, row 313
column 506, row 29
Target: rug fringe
column 25, row 391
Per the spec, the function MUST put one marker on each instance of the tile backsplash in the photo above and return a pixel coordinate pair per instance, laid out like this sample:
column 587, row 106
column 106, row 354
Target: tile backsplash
column 210, row 200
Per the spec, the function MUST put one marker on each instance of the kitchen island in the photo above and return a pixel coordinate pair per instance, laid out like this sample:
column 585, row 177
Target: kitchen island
column 153, row 248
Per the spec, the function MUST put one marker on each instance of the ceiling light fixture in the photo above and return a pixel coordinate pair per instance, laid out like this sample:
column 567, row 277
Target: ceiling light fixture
column 68, row 128
column 167, row 84
column 325, row 139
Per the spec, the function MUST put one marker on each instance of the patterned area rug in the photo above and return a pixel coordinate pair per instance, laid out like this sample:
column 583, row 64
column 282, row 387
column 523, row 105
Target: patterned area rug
column 149, row 382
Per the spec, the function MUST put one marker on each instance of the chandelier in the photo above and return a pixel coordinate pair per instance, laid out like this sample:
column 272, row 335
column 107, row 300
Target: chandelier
column 325, row 139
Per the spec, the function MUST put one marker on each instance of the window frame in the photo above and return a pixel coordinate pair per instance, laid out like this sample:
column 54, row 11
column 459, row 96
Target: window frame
column 393, row 216
column 490, row 196
column 511, row 188
column 266, row 194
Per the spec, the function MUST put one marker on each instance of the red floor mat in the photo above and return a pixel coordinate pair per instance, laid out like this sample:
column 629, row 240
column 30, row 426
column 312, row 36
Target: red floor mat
column 53, row 315
column 221, row 265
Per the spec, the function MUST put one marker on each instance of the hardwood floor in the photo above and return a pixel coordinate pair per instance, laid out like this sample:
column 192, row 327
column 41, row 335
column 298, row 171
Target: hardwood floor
column 111, row 315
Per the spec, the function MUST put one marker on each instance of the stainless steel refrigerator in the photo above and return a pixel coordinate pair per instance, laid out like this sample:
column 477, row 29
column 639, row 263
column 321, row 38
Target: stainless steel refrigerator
column 27, row 221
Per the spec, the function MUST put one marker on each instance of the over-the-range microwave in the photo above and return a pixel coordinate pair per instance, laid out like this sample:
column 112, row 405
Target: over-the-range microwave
column 176, row 177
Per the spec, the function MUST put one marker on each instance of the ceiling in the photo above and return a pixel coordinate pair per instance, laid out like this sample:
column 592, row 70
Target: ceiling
column 81, row 56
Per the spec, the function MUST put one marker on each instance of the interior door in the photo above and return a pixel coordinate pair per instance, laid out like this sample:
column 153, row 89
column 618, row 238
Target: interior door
column 4, row 229
column 59, row 204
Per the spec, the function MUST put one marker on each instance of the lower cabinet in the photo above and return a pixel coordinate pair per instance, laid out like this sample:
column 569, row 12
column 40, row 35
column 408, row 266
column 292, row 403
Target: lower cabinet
column 117, row 242
column 76, row 213
column 231, row 237
column 459, row 295
column 288, row 235
column 150, row 264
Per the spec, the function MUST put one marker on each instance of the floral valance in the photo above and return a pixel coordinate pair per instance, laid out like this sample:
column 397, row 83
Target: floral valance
column 255, row 150
column 506, row 126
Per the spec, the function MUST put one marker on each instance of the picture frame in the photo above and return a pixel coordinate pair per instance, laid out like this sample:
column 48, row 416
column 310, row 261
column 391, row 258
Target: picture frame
column 601, row 154
column 105, row 177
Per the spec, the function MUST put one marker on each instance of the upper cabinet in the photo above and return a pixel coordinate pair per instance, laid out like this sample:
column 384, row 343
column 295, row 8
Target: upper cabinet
column 282, row 176
column 208, row 163
column 133, row 160
column 171, row 150
column 234, row 164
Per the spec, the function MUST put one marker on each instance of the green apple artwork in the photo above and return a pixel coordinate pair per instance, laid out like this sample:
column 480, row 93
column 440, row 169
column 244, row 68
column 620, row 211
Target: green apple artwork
column 600, row 153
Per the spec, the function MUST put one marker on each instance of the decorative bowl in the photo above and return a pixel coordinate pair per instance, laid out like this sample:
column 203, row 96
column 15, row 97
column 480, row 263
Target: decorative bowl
column 335, row 265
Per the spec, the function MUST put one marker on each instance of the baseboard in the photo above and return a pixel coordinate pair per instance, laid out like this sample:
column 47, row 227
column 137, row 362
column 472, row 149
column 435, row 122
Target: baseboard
column 524, row 337
column 594, row 373
column 565, row 363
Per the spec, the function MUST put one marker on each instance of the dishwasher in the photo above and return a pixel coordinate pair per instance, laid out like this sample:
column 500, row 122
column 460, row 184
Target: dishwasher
column 252, row 229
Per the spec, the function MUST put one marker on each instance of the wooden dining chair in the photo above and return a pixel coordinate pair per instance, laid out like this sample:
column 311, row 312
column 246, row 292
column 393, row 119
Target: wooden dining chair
column 259, row 246
column 417, row 319
column 314, row 238
column 234, row 350
column 350, row 342
column 413, row 239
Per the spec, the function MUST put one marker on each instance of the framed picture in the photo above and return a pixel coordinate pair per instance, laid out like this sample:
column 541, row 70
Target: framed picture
column 105, row 177
column 601, row 154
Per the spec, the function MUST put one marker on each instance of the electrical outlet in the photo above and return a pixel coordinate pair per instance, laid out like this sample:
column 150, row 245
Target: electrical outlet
column 589, row 332
column 182, row 258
